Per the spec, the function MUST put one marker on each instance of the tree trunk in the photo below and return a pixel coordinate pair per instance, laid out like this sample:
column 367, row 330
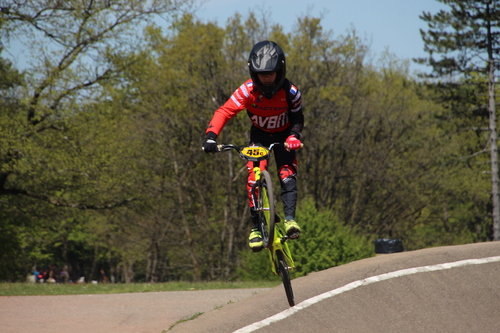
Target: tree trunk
column 494, row 164
column 128, row 270
column 228, row 221
column 93, row 270
column 494, row 158
column 189, row 238
column 495, row 195
column 152, row 262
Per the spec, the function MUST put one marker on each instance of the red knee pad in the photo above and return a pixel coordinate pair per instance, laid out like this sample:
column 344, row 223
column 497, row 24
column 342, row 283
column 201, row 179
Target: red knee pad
column 287, row 171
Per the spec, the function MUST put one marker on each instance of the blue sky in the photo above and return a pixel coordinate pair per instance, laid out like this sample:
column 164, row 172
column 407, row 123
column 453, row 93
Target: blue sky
column 389, row 24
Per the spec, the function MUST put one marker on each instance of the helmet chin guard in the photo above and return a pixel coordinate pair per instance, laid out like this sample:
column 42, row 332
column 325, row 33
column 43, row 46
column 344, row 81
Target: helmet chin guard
column 267, row 56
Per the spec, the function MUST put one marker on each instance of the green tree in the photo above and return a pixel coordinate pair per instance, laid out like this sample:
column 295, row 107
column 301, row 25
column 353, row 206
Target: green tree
column 367, row 132
column 327, row 242
column 10, row 232
column 170, row 92
column 61, row 144
column 73, row 44
column 466, row 40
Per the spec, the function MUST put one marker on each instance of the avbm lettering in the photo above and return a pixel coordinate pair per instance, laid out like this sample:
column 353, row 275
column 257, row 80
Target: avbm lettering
column 273, row 122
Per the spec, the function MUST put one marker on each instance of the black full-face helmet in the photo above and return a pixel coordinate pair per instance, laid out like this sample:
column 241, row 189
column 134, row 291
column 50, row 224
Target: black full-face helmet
column 267, row 56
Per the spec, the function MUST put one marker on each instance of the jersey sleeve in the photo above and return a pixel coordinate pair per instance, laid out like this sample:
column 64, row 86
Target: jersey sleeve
column 296, row 114
column 236, row 103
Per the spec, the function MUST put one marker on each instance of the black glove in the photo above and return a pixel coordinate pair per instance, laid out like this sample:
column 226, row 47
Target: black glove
column 210, row 146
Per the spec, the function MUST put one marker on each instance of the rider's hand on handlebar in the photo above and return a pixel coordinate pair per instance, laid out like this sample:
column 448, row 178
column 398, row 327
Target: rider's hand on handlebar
column 292, row 143
column 210, row 146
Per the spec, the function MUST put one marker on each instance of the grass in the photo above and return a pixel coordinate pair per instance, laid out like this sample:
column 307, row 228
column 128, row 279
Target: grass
column 184, row 320
column 29, row 289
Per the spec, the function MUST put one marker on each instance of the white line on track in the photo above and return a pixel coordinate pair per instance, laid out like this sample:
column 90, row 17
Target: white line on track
column 353, row 285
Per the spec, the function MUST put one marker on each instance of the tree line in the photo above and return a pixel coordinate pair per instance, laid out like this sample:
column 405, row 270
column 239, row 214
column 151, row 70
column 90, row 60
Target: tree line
column 100, row 146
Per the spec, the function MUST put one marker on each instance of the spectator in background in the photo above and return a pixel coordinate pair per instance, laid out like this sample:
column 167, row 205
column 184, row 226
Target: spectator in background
column 63, row 275
column 53, row 274
column 43, row 275
column 104, row 278
column 37, row 275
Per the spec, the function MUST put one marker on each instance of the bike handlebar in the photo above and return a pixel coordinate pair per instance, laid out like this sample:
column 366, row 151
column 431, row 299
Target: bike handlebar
column 226, row 147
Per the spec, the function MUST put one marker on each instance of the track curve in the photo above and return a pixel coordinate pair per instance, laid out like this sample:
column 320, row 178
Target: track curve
column 446, row 289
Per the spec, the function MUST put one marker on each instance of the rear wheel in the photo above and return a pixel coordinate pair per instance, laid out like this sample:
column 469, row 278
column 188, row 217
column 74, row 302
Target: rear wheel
column 283, row 268
column 266, row 208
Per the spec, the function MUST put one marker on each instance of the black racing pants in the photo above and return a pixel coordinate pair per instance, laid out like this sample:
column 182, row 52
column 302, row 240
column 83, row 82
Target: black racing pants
column 286, row 164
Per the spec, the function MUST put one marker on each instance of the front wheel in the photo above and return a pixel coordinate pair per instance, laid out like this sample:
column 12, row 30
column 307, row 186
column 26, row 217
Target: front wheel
column 266, row 208
column 285, row 277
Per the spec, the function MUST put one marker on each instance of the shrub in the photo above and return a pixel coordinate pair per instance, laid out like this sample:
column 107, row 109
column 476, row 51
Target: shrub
column 324, row 243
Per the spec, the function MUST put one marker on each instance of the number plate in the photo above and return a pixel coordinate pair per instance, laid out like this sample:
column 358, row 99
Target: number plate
column 255, row 152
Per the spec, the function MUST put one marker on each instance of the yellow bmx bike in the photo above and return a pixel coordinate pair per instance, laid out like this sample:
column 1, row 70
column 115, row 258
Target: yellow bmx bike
column 273, row 233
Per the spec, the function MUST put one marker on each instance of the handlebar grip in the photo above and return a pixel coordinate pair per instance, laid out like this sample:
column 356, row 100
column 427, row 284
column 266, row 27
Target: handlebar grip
column 219, row 148
column 301, row 145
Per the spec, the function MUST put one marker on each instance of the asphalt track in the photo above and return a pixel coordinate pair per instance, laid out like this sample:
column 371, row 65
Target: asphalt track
column 434, row 290
column 447, row 289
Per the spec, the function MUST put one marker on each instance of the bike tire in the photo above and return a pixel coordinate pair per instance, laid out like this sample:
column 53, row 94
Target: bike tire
column 266, row 208
column 285, row 277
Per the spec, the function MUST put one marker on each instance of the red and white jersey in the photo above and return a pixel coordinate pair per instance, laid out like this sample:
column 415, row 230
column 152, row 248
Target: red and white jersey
column 271, row 115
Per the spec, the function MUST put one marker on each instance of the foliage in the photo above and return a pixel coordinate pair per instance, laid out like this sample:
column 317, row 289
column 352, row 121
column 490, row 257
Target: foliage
column 463, row 52
column 256, row 266
column 325, row 242
column 12, row 221
column 459, row 36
